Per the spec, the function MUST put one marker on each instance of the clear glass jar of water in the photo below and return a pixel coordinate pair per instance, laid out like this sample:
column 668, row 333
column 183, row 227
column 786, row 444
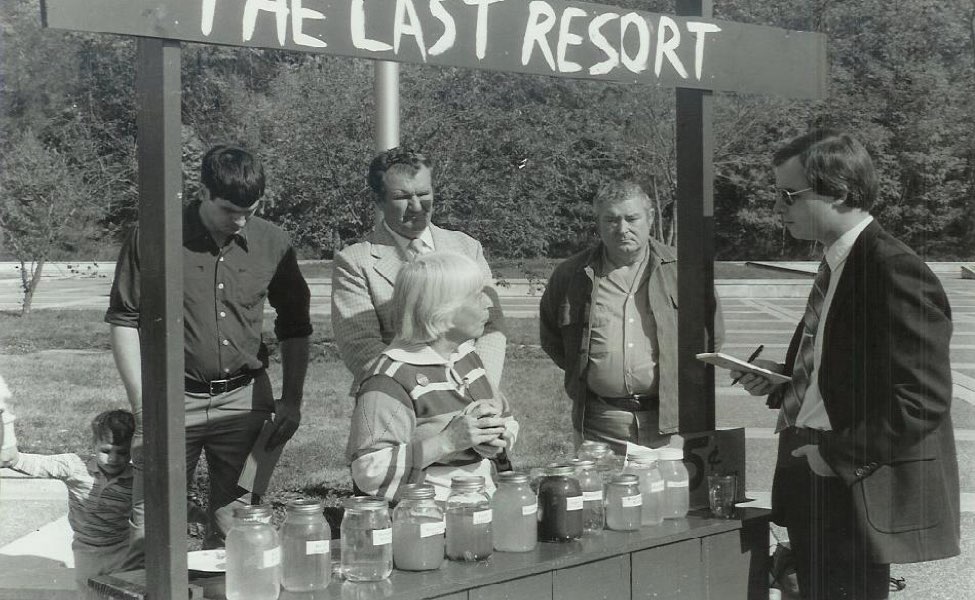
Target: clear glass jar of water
column 367, row 539
column 306, row 561
column 591, row 484
column 624, row 503
column 676, row 482
column 418, row 529
column 607, row 463
column 253, row 556
column 652, row 486
column 470, row 534
column 515, row 507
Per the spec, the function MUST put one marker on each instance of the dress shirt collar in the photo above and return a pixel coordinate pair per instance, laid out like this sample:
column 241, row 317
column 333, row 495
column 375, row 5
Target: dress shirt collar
column 423, row 354
column 840, row 249
column 403, row 242
column 193, row 227
column 96, row 473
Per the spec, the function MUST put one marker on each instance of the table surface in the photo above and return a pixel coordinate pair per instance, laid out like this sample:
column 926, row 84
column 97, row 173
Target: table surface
column 455, row 577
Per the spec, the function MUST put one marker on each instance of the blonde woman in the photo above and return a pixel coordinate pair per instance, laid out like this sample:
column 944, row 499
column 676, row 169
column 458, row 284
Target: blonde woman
column 427, row 411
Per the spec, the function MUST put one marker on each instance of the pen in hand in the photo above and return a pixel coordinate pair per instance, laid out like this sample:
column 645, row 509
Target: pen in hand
column 750, row 359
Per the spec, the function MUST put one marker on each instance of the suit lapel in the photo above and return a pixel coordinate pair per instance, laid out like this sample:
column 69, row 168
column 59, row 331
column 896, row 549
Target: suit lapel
column 443, row 242
column 847, row 286
column 388, row 256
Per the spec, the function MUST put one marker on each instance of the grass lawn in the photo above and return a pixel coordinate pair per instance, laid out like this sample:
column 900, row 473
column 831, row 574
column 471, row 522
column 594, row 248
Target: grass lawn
column 60, row 370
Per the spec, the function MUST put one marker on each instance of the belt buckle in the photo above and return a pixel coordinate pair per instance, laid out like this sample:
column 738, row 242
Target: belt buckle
column 219, row 386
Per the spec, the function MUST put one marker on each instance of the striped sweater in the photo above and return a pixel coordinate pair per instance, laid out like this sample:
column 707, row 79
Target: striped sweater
column 412, row 393
column 98, row 506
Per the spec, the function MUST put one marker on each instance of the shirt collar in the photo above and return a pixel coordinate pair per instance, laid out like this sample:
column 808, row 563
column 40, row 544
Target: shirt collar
column 193, row 227
column 423, row 354
column 93, row 469
column 403, row 242
column 839, row 250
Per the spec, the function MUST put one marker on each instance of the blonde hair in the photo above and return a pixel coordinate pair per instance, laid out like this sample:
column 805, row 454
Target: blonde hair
column 428, row 291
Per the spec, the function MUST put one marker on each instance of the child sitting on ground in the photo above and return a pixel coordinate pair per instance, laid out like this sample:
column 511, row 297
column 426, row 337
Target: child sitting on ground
column 99, row 494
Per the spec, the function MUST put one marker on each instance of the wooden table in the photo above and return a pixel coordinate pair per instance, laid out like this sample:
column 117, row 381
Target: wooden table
column 700, row 557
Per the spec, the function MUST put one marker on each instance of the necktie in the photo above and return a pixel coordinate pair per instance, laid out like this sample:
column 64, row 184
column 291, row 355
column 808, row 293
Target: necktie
column 803, row 366
column 418, row 247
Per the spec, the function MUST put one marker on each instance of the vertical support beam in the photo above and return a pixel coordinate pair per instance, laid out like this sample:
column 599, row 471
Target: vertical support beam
column 695, row 246
column 386, row 93
column 161, row 326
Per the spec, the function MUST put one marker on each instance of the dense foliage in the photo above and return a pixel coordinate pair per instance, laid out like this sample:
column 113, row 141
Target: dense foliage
column 517, row 157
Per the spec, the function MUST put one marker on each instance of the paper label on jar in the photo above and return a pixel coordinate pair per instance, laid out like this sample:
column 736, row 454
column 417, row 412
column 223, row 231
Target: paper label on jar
column 432, row 529
column 482, row 516
column 679, row 483
column 573, row 503
column 592, row 496
column 657, row 486
column 631, row 501
column 381, row 537
column 271, row 558
column 529, row 509
column 317, row 547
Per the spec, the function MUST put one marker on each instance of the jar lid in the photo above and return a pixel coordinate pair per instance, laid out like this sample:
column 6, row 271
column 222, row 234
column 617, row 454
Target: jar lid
column 306, row 505
column 512, row 477
column 670, row 454
column 365, row 503
column 253, row 511
column 624, row 479
column 634, row 451
column 643, row 460
column 560, row 471
column 467, row 483
column 583, row 462
column 417, row 491
column 590, row 446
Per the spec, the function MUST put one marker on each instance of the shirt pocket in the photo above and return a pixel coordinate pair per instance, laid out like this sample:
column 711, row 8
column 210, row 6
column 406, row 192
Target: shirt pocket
column 252, row 284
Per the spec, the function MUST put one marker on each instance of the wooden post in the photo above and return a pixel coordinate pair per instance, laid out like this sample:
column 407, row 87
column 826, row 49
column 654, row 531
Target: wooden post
column 161, row 325
column 695, row 246
column 386, row 94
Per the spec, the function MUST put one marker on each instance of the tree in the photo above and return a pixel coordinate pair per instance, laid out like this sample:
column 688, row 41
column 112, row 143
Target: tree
column 45, row 206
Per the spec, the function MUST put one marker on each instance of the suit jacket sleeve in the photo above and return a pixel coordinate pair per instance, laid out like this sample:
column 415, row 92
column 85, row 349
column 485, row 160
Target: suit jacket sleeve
column 354, row 319
column 904, row 362
column 491, row 346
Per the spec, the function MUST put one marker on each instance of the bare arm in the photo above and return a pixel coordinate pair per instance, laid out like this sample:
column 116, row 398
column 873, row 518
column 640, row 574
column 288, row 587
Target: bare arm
column 287, row 410
column 126, row 349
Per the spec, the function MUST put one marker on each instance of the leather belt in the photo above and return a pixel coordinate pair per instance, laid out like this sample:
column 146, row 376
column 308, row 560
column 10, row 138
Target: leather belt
column 218, row 386
column 634, row 403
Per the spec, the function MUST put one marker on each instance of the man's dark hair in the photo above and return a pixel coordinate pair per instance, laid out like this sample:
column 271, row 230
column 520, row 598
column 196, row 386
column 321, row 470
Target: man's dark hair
column 835, row 164
column 234, row 174
column 400, row 157
column 117, row 426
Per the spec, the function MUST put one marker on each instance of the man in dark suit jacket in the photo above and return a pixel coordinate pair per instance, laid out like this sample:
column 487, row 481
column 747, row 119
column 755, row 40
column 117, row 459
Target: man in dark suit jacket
column 867, row 473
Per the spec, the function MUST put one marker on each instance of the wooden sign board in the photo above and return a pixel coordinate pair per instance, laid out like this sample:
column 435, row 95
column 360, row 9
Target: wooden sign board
column 542, row 37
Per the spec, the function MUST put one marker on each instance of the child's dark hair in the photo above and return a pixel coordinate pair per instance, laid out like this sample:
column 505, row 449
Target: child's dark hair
column 116, row 426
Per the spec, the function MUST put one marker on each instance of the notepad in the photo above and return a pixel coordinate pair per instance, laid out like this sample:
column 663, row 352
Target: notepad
column 726, row 361
column 260, row 464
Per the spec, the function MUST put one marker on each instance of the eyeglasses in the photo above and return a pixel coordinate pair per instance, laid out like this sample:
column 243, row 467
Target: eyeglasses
column 790, row 197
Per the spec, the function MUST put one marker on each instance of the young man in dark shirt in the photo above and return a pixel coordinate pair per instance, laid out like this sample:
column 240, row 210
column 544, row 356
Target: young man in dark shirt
column 232, row 262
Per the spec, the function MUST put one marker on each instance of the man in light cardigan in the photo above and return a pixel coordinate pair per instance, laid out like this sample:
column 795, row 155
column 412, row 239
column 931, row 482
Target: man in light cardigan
column 362, row 281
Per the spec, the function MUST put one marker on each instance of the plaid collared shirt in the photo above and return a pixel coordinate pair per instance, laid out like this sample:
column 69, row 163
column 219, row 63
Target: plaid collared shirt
column 98, row 506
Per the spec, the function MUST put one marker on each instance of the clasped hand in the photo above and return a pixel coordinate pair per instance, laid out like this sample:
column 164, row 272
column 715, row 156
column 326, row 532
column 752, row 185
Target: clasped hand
column 481, row 424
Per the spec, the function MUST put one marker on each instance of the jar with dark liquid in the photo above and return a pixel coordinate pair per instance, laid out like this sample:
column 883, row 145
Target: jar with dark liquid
column 560, row 505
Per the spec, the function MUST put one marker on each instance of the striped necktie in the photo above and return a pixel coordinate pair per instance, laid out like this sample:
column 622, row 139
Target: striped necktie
column 803, row 365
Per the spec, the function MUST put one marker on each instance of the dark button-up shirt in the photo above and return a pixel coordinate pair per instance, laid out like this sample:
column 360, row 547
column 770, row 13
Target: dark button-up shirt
column 224, row 290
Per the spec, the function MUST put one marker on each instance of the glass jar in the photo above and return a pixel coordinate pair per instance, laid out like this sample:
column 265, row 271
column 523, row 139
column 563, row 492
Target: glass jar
column 253, row 555
column 559, row 505
column 624, row 503
column 367, row 539
column 515, row 505
column 652, row 486
column 591, row 484
column 418, row 529
column 607, row 463
column 306, row 560
column 469, row 520
column 676, row 483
